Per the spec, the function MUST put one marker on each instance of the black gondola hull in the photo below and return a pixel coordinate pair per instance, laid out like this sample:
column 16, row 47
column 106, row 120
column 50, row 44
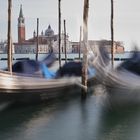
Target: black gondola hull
column 22, row 96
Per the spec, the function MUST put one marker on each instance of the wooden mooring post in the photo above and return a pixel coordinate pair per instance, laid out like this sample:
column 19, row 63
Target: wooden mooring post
column 65, row 43
column 9, row 39
column 112, row 33
column 37, row 40
column 59, row 30
column 85, row 47
column 80, row 42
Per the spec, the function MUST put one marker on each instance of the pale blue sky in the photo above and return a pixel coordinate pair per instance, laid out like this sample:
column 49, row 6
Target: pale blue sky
column 127, row 18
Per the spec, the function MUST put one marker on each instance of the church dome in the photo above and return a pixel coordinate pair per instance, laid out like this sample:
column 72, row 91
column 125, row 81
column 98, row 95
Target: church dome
column 49, row 31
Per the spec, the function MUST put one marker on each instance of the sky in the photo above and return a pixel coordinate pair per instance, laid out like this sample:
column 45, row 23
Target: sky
column 126, row 19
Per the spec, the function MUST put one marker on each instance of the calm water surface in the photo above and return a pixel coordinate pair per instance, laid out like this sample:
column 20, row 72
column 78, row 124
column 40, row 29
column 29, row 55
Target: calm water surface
column 70, row 119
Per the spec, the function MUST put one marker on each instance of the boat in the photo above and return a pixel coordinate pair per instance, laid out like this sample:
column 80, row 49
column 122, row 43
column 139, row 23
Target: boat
column 122, row 83
column 24, row 86
column 28, row 89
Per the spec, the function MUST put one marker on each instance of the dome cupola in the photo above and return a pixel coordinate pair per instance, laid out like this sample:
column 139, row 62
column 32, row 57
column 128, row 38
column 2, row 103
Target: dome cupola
column 49, row 31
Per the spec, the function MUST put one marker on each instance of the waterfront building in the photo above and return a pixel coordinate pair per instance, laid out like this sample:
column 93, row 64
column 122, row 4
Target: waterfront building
column 118, row 45
column 48, row 41
column 3, row 47
column 92, row 44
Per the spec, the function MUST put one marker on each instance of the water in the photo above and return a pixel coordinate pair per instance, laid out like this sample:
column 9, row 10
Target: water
column 70, row 119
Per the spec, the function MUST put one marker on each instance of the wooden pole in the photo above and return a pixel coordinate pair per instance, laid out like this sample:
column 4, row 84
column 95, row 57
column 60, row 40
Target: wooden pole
column 9, row 43
column 112, row 33
column 59, row 23
column 80, row 42
column 37, row 39
column 85, row 42
column 65, row 44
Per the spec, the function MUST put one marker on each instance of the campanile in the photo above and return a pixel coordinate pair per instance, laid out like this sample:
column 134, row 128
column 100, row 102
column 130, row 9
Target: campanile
column 21, row 26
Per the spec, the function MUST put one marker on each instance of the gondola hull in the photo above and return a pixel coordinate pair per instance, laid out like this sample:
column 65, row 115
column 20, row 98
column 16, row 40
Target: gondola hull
column 22, row 89
column 123, row 88
column 29, row 96
column 122, row 83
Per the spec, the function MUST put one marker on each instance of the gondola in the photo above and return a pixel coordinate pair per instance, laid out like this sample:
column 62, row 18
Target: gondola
column 121, row 83
column 24, row 86
column 29, row 89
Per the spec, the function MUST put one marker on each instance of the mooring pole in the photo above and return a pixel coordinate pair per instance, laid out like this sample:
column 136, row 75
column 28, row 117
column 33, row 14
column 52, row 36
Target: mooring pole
column 80, row 42
column 65, row 44
column 37, row 40
column 85, row 45
column 59, row 23
column 112, row 33
column 9, row 43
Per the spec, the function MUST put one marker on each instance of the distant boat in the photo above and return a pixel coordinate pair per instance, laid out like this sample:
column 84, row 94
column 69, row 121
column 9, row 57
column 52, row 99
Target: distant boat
column 23, row 58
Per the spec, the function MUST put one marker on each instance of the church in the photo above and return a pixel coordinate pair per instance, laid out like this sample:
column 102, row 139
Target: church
column 48, row 41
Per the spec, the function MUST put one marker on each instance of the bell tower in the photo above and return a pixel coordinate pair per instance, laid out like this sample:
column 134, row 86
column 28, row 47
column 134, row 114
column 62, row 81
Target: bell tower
column 21, row 26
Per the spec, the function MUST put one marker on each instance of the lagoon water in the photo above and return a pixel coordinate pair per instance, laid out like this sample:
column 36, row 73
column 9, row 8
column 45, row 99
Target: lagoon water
column 69, row 119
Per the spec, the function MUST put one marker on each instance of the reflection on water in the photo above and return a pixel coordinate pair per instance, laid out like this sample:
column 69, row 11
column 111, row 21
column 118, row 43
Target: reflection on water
column 122, row 124
column 5, row 105
column 70, row 119
column 16, row 122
